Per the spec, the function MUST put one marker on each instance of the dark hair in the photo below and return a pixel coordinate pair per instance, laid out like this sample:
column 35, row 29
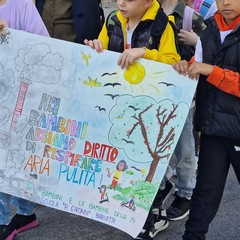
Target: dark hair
column 125, row 165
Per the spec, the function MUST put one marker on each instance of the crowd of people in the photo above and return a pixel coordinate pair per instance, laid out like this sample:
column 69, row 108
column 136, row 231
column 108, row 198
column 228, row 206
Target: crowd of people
column 207, row 51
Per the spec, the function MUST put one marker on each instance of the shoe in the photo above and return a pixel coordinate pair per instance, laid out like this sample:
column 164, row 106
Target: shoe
column 145, row 235
column 179, row 209
column 162, row 196
column 160, row 223
column 21, row 222
column 7, row 232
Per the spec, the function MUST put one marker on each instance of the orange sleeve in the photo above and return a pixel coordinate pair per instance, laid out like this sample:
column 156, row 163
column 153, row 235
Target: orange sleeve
column 226, row 80
column 191, row 60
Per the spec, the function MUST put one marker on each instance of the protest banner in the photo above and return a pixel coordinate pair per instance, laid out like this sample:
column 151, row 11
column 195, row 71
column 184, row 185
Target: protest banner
column 82, row 135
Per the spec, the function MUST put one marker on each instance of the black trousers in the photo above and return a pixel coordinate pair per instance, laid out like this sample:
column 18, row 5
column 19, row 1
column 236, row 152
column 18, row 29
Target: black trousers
column 216, row 155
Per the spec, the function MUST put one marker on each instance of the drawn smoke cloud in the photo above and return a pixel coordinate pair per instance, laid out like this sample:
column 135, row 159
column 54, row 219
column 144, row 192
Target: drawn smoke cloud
column 38, row 63
column 6, row 83
column 1, row 182
column 21, row 124
column 14, row 163
column 4, row 115
column 4, row 139
column 16, row 159
column 17, row 134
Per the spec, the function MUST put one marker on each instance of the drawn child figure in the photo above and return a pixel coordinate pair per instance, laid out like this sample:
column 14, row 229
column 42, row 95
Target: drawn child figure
column 121, row 167
column 103, row 194
column 216, row 63
column 132, row 201
column 19, row 15
column 137, row 18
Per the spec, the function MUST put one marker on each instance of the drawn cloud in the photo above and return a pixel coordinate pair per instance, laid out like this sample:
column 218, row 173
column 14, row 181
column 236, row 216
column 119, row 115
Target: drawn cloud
column 4, row 115
column 123, row 117
column 6, row 83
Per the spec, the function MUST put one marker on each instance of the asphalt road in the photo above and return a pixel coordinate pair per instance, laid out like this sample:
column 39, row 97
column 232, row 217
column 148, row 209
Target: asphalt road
column 58, row 225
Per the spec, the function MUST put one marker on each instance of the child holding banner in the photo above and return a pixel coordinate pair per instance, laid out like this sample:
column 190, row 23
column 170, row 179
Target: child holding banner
column 216, row 63
column 122, row 29
column 140, row 29
column 19, row 15
column 183, row 160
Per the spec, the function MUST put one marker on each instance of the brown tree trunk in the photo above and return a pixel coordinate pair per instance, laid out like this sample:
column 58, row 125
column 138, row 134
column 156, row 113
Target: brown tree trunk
column 152, row 169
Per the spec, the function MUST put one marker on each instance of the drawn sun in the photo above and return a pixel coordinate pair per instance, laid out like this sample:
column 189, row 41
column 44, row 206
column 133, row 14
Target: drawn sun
column 135, row 73
column 142, row 81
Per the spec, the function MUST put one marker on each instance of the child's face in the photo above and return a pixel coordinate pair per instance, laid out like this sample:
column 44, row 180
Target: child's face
column 189, row 2
column 121, row 166
column 133, row 8
column 230, row 9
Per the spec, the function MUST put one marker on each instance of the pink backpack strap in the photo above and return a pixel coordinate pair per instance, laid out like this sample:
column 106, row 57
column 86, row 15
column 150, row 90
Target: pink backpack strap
column 187, row 18
column 196, row 5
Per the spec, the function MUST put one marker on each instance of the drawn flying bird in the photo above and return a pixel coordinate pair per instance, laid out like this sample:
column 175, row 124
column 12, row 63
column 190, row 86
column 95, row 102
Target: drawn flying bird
column 167, row 84
column 86, row 57
column 134, row 108
column 112, row 84
column 92, row 83
column 33, row 175
column 100, row 108
column 108, row 74
column 128, row 141
column 139, row 170
column 111, row 95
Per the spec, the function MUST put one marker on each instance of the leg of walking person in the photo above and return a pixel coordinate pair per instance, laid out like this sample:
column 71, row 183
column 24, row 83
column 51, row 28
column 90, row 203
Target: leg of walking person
column 25, row 217
column 213, row 166
column 5, row 213
column 186, row 166
column 6, row 230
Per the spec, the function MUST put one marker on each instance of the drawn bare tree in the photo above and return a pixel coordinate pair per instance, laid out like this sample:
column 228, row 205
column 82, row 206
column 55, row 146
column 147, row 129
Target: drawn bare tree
column 163, row 141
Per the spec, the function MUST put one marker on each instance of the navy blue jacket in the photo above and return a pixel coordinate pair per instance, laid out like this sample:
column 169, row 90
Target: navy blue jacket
column 147, row 34
column 217, row 112
column 87, row 15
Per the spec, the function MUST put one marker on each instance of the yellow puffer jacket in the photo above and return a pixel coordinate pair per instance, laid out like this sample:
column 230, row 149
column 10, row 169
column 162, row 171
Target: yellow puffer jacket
column 166, row 52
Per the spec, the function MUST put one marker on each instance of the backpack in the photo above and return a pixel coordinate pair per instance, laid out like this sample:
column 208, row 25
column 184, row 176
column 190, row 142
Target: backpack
column 186, row 52
column 196, row 5
column 102, row 16
column 205, row 6
column 158, row 26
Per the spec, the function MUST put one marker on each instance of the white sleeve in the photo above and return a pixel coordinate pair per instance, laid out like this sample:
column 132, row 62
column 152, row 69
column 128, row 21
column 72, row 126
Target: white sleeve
column 198, row 51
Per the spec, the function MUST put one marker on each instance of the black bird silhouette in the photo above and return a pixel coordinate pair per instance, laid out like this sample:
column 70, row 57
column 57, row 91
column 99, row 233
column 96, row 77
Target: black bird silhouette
column 112, row 84
column 134, row 108
column 111, row 95
column 33, row 175
column 100, row 108
column 136, row 168
column 109, row 74
column 167, row 84
column 128, row 141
